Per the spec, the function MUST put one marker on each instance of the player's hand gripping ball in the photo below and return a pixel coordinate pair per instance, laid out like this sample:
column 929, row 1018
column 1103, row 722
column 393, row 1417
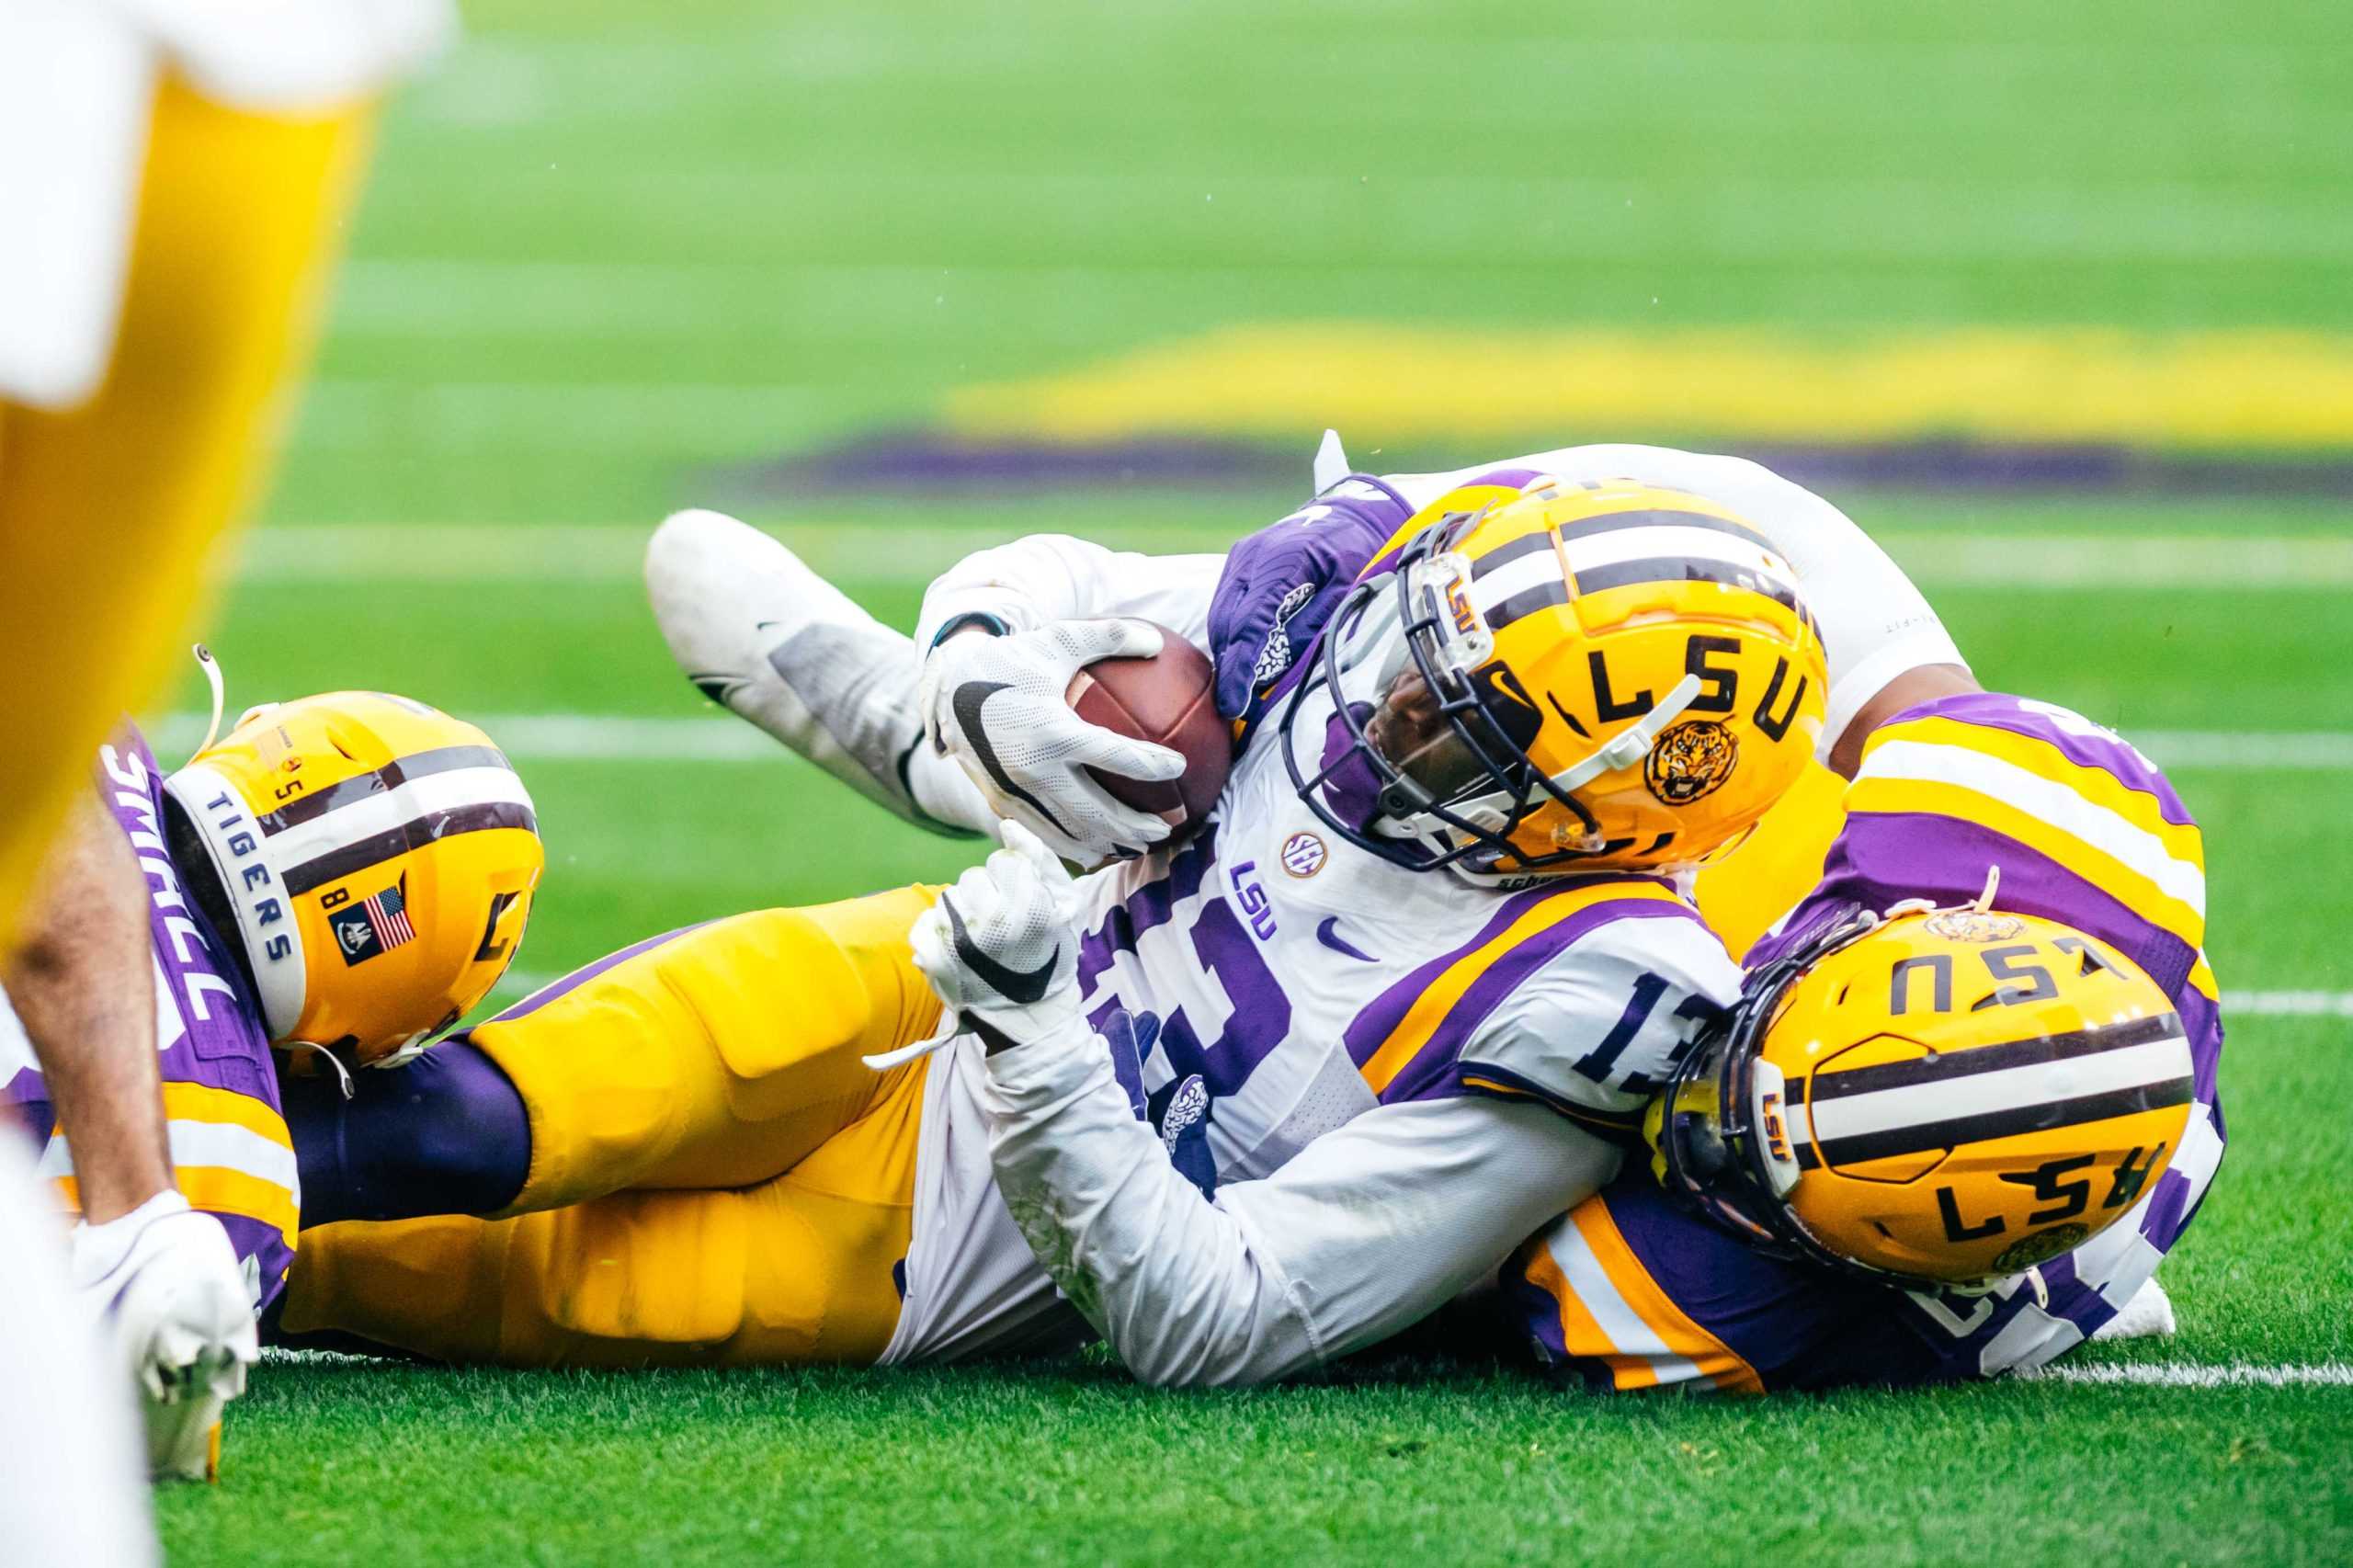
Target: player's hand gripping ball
column 1099, row 736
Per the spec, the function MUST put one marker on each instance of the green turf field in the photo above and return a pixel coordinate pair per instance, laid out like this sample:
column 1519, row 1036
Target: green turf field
column 611, row 246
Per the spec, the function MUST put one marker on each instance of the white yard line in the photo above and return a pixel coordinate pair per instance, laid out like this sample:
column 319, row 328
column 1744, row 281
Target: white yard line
column 874, row 554
column 2288, row 1004
column 2198, row 1375
column 2310, row 751
column 2139, row 1374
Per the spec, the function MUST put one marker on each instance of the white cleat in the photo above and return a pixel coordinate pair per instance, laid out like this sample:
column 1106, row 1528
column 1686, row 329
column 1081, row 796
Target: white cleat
column 760, row 633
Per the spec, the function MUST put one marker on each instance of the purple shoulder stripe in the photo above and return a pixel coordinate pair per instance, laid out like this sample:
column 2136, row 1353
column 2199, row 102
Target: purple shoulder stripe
column 2020, row 716
column 1884, row 858
column 1497, row 1082
column 1432, row 1068
column 1374, row 1023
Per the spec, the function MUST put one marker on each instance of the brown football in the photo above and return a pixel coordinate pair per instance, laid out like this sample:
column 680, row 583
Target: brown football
column 1169, row 699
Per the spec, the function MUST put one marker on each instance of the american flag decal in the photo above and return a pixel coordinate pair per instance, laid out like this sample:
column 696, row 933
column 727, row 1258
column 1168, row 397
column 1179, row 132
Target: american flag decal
column 388, row 912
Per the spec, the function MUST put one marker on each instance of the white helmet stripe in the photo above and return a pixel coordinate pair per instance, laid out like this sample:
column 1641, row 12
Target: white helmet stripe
column 1637, row 544
column 1882, row 1110
column 366, row 786
column 378, row 812
column 249, row 876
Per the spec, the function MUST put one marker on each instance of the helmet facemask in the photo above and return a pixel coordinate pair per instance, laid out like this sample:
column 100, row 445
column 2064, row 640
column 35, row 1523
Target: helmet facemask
column 1718, row 1138
column 1426, row 760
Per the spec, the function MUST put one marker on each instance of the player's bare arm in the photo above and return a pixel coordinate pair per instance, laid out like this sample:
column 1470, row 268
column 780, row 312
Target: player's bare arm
column 164, row 1276
column 78, row 983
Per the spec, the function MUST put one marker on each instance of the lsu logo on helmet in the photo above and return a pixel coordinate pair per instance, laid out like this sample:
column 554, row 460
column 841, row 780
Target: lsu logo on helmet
column 1944, row 1097
column 1560, row 680
column 372, row 858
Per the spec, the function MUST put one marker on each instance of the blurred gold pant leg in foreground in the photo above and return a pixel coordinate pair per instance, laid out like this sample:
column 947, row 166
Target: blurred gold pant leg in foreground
column 109, row 512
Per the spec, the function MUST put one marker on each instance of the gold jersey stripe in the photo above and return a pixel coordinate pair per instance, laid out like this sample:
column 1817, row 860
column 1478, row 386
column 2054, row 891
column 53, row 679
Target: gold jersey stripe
column 199, row 1102
column 220, row 1190
column 1716, row 1360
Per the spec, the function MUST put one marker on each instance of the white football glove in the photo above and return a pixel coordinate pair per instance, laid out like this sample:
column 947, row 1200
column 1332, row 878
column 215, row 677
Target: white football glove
column 1000, row 707
column 1000, row 946
column 167, row 1281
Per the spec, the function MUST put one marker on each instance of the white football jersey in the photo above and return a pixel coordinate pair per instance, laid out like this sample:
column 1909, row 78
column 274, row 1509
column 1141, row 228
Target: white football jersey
column 1279, row 981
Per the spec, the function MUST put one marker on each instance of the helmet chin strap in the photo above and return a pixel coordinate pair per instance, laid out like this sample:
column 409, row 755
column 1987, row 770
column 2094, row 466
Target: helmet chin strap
column 211, row 668
column 1632, row 744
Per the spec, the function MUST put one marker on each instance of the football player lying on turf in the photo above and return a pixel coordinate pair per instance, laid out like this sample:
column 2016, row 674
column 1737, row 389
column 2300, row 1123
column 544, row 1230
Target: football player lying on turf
column 1965, row 1105
column 1372, row 1008
column 1387, row 1051
column 350, row 871
column 1968, row 1100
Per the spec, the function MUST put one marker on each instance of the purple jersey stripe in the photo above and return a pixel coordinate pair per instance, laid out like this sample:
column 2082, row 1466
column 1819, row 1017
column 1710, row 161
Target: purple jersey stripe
column 1996, row 710
column 559, row 989
column 1798, row 1327
column 1380, row 1018
column 2201, row 1020
column 1498, row 1083
column 1432, row 1068
column 1884, row 858
column 265, row 1244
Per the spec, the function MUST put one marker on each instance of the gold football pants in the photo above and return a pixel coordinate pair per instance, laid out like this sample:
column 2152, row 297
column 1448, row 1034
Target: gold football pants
column 716, row 1178
column 108, row 511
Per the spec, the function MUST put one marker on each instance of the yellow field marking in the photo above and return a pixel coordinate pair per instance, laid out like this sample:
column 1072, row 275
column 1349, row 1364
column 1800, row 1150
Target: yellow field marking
column 2240, row 389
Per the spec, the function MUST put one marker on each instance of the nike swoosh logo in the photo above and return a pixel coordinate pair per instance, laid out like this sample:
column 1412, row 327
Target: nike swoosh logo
column 1327, row 931
column 966, row 705
column 1015, row 985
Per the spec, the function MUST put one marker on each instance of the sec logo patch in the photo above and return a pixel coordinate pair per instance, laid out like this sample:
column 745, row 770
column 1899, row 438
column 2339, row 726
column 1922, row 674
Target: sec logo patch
column 1303, row 854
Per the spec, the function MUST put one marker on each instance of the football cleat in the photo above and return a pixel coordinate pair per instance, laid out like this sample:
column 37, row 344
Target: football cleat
column 1559, row 679
column 762, row 635
column 371, row 860
column 1942, row 1097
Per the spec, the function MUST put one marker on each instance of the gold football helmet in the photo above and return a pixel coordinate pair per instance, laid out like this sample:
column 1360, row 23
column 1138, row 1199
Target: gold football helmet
column 1560, row 679
column 1942, row 1097
column 371, row 857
